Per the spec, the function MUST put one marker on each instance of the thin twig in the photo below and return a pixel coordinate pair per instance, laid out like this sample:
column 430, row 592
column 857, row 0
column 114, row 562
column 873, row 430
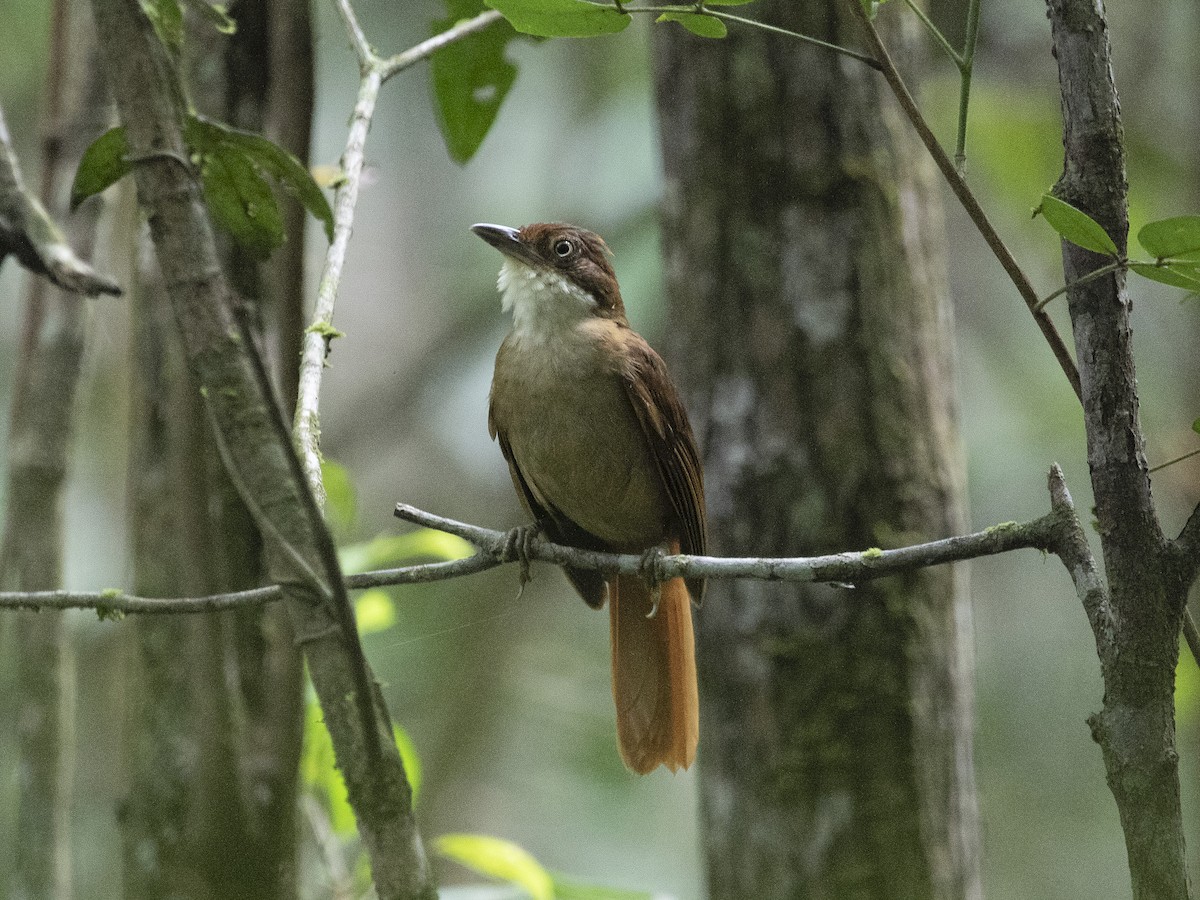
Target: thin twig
column 1171, row 462
column 844, row 51
column 966, row 66
column 425, row 49
column 315, row 346
column 115, row 602
column 936, row 33
column 967, row 198
column 700, row 9
column 1078, row 282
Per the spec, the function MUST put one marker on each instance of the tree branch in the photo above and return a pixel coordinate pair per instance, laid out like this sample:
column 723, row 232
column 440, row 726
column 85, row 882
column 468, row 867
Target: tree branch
column 1057, row 532
column 374, row 71
column 117, row 603
column 1187, row 544
column 28, row 232
column 839, row 568
column 1139, row 652
column 967, row 198
column 222, row 360
column 1072, row 548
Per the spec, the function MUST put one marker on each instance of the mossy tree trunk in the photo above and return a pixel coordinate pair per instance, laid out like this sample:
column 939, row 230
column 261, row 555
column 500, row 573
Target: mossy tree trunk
column 216, row 728
column 812, row 335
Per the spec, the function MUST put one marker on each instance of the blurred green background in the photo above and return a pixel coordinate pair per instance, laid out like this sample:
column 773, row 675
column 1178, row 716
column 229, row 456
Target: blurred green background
column 508, row 701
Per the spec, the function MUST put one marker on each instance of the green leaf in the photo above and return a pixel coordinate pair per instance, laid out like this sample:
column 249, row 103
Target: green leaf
column 727, row 2
column 241, row 201
column 696, row 23
column 561, row 18
column 167, row 18
column 1176, row 276
column 402, row 549
column 1076, row 226
column 232, row 164
column 567, row 889
column 500, row 859
column 341, row 500
column 1196, row 426
column 470, row 79
column 216, row 14
column 1175, row 237
column 410, row 759
column 273, row 160
column 104, row 163
column 319, row 771
column 374, row 611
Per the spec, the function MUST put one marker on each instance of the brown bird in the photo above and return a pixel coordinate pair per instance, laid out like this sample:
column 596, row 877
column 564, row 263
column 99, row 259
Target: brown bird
column 603, row 458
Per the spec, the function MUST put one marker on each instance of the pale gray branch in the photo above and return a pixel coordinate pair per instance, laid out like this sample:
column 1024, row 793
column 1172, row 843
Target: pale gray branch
column 428, row 47
column 115, row 602
column 1057, row 532
column 28, row 233
column 1076, row 555
column 838, row 568
column 374, row 71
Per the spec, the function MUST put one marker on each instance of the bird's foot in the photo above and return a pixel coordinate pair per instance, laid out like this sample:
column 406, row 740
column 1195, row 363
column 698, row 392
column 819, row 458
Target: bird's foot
column 650, row 571
column 518, row 546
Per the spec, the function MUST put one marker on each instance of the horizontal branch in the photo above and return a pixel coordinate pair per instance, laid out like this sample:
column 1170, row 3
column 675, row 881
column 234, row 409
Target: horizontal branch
column 1057, row 532
column 837, row 568
column 116, row 603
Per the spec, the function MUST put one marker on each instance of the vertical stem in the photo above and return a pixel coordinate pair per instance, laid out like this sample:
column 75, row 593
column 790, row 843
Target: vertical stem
column 1138, row 655
column 965, row 68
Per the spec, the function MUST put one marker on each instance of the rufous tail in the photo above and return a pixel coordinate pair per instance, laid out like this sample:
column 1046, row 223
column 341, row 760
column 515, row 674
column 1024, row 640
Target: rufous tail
column 654, row 675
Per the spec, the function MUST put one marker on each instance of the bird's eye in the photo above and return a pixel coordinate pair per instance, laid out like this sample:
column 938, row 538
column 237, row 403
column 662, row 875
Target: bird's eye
column 563, row 248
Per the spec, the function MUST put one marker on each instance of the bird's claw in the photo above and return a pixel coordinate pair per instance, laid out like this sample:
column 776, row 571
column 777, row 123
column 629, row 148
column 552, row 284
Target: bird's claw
column 652, row 575
column 518, row 546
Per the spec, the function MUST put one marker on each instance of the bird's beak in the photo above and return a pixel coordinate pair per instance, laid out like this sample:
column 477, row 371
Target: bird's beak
column 507, row 241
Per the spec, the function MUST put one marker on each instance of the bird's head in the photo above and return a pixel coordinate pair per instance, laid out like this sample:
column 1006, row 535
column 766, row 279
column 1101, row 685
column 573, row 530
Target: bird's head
column 553, row 273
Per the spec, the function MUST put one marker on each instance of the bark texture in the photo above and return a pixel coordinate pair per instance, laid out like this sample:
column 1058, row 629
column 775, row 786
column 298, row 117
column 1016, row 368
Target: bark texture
column 1137, row 635
column 215, row 734
column 812, row 337
column 256, row 449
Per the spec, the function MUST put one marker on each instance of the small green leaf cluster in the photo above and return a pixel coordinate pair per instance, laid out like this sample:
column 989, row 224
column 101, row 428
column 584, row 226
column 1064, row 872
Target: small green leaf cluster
column 512, row 864
column 1174, row 243
column 233, row 166
column 471, row 77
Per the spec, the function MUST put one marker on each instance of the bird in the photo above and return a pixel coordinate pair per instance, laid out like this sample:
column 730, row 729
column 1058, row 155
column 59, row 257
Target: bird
column 602, row 456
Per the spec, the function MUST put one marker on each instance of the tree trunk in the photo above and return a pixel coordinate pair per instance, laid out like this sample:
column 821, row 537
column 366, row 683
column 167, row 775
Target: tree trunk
column 227, row 687
column 40, row 442
column 812, row 335
column 1148, row 577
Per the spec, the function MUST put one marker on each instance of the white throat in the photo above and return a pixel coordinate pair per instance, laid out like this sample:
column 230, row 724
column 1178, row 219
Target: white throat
column 543, row 303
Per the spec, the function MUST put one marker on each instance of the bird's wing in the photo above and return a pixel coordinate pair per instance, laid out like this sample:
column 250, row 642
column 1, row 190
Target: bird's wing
column 557, row 527
column 664, row 422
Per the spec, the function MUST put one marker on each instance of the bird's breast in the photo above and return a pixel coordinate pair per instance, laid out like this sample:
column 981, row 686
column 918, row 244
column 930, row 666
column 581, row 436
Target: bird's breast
column 576, row 440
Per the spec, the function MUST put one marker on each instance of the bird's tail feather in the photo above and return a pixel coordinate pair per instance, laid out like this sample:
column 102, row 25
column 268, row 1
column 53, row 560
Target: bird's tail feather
column 654, row 675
